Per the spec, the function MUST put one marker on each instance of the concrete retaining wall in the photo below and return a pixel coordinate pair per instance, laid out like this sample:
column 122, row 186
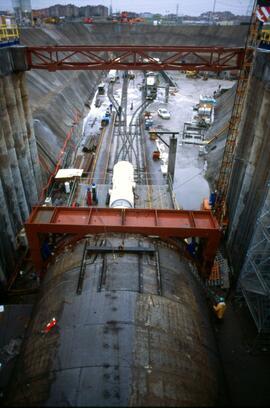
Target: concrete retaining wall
column 19, row 163
column 251, row 172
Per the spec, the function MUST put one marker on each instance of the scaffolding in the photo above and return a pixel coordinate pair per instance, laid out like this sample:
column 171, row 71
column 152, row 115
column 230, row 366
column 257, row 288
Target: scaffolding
column 225, row 173
column 254, row 279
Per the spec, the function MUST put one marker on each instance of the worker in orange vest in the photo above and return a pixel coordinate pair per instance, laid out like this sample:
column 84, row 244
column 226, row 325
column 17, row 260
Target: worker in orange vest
column 220, row 308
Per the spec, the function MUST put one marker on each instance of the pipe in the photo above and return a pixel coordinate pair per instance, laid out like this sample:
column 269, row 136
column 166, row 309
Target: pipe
column 172, row 156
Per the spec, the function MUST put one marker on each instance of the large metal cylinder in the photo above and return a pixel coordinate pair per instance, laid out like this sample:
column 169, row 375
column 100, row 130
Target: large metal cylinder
column 121, row 194
column 131, row 329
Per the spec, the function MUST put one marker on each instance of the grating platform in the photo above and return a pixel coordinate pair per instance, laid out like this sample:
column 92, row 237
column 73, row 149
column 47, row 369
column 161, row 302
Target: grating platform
column 152, row 196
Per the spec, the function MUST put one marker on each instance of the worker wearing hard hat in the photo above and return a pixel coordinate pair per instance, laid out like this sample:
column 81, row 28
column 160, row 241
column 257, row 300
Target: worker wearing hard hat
column 220, row 308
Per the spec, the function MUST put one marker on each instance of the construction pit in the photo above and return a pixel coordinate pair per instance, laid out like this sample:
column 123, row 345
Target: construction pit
column 148, row 289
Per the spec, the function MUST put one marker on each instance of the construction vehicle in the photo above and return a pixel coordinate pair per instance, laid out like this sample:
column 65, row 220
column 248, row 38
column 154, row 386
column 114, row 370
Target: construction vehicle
column 124, row 17
column 101, row 89
column 112, row 75
column 148, row 120
column 205, row 111
column 156, row 155
column 151, row 86
column 131, row 75
column 152, row 134
column 105, row 121
column 148, row 123
column 264, row 37
column 192, row 74
column 136, row 20
column 51, row 20
column 88, row 20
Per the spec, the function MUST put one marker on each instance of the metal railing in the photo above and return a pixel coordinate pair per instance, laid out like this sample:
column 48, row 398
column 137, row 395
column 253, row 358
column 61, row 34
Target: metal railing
column 9, row 32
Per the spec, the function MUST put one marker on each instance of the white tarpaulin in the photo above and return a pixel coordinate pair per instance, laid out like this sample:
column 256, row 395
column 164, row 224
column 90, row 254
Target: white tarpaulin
column 68, row 173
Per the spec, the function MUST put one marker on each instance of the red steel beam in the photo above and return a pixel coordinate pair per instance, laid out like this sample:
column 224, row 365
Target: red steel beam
column 135, row 57
column 95, row 220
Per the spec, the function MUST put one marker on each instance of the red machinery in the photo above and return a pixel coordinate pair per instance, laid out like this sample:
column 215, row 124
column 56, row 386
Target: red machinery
column 124, row 17
column 166, row 224
column 88, row 20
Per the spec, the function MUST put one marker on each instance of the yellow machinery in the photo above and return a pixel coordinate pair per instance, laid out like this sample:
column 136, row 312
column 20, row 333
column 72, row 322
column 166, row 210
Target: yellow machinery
column 8, row 29
column 51, row 20
column 264, row 37
column 191, row 74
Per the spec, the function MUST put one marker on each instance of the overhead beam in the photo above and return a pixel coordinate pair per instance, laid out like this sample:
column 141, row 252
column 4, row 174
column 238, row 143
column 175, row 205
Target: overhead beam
column 96, row 220
column 135, row 57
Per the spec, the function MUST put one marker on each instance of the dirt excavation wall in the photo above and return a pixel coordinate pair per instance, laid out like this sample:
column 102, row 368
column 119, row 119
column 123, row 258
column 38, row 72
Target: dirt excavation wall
column 250, row 178
column 145, row 34
column 56, row 98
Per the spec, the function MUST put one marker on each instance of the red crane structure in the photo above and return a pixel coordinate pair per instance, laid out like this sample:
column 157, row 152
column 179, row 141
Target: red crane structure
column 166, row 224
column 134, row 57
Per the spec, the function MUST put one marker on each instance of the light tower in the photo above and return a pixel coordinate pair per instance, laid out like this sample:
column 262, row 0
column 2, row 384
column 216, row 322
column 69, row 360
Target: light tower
column 111, row 9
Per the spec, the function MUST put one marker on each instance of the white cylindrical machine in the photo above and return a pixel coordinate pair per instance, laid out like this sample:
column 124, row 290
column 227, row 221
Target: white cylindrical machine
column 121, row 194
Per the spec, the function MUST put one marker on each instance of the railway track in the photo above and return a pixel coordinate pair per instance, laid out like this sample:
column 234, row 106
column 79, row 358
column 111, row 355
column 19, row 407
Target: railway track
column 128, row 138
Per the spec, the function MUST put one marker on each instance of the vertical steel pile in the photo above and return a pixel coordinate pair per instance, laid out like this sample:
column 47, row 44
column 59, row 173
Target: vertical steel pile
column 20, row 178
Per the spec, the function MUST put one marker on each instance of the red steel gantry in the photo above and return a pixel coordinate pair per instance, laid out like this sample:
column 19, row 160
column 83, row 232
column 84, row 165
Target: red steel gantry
column 159, row 223
column 135, row 57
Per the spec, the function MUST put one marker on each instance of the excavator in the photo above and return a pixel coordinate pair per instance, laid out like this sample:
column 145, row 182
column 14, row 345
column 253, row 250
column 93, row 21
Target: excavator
column 124, row 18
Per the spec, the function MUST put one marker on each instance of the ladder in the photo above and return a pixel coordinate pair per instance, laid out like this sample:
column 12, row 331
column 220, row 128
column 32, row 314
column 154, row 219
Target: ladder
column 225, row 173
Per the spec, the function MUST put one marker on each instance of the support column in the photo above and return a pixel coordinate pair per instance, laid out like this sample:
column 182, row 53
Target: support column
column 167, row 93
column 35, row 248
column 172, row 157
column 209, row 252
